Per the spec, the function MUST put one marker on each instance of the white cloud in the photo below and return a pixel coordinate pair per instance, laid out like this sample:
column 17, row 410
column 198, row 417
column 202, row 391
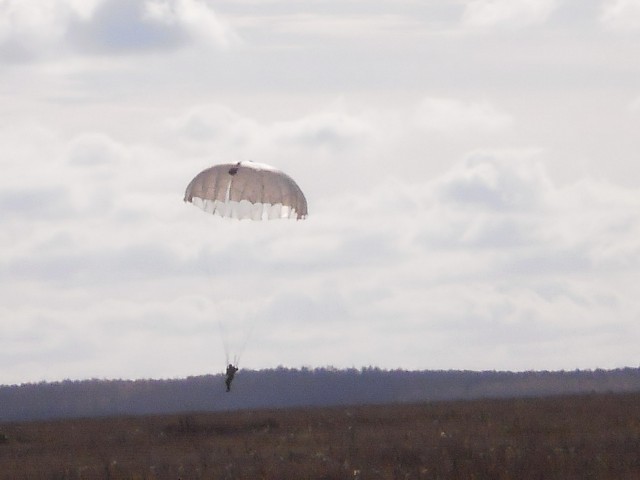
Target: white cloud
column 343, row 25
column 494, row 204
column 197, row 17
column 126, row 26
column 29, row 27
column 34, row 203
column 33, row 29
column 497, row 183
column 333, row 128
column 453, row 116
column 95, row 149
column 506, row 13
column 215, row 123
column 621, row 14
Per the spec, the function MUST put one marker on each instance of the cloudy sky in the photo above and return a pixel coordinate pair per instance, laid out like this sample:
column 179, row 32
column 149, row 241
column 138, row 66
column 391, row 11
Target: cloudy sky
column 471, row 169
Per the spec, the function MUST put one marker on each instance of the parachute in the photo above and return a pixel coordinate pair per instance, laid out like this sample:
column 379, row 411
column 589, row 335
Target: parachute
column 247, row 190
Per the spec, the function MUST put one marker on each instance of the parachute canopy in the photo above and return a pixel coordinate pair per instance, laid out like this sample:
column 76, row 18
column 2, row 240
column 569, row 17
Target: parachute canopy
column 247, row 190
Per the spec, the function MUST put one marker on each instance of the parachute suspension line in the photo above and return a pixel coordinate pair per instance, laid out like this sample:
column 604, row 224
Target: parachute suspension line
column 243, row 346
column 225, row 343
column 227, row 349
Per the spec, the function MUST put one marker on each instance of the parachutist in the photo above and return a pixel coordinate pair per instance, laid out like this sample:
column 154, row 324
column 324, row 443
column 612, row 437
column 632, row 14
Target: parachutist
column 231, row 372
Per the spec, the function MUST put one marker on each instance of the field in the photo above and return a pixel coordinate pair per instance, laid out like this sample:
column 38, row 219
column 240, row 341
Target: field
column 576, row 437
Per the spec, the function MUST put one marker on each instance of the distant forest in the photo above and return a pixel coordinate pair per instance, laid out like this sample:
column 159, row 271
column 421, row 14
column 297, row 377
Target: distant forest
column 287, row 388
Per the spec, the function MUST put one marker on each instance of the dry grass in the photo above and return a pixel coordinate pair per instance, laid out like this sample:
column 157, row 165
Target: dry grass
column 580, row 437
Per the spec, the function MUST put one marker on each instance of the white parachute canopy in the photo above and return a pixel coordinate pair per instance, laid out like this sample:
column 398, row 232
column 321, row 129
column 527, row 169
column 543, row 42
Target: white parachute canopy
column 247, row 190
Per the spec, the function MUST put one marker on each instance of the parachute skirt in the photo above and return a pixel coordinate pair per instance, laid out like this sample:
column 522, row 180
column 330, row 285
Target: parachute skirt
column 245, row 209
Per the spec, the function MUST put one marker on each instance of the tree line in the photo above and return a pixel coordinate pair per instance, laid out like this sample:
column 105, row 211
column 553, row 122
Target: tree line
column 288, row 388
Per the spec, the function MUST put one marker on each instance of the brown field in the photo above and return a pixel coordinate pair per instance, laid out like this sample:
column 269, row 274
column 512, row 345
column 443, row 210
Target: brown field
column 577, row 437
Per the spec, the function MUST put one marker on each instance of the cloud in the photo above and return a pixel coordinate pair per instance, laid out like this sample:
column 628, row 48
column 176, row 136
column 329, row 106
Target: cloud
column 94, row 149
column 621, row 15
column 495, row 182
column 34, row 29
column 486, row 14
column 335, row 129
column 488, row 253
column 215, row 123
column 31, row 203
column 29, row 27
column 490, row 201
column 101, row 265
column 505, row 216
column 347, row 24
column 126, row 26
column 222, row 133
column 339, row 141
column 452, row 115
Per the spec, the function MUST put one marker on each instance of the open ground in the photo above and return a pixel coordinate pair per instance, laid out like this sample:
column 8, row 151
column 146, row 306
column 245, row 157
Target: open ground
column 569, row 437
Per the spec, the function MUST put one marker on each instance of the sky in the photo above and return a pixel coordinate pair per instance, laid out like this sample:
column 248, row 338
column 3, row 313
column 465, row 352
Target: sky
column 471, row 169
